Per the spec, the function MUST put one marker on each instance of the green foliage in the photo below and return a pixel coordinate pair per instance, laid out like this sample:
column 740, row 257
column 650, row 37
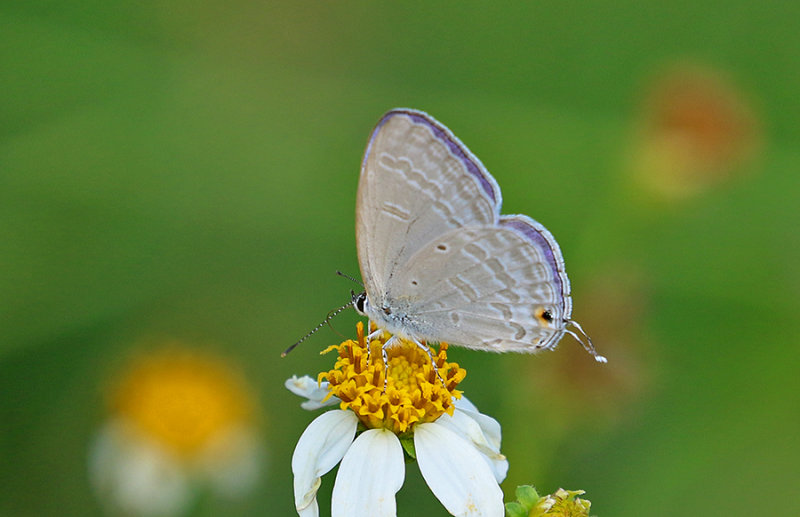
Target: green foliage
column 189, row 170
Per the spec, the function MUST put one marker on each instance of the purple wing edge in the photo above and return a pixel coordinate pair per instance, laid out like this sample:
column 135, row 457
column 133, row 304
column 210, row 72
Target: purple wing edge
column 545, row 241
column 471, row 162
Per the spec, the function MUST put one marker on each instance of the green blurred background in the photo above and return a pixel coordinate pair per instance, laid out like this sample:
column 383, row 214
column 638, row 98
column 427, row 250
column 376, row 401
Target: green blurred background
column 189, row 170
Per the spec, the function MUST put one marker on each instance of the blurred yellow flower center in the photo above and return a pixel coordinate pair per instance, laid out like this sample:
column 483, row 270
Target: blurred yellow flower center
column 413, row 394
column 181, row 399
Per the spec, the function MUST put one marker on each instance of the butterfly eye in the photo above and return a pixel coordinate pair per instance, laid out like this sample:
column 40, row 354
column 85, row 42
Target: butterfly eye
column 358, row 302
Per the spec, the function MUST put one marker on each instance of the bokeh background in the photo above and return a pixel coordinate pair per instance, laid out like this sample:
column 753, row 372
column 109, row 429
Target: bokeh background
column 187, row 171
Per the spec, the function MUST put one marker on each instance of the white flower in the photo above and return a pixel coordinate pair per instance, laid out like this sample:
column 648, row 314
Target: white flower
column 459, row 455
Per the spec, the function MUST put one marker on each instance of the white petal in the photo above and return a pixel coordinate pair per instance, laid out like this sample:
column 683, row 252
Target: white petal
column 311, row 405
column 456, row 472
column 463, row 424
column 311, row 510
column 465, row 404
column 489, row 426
column 321, row 446
column 307, row 387
column 371, row 473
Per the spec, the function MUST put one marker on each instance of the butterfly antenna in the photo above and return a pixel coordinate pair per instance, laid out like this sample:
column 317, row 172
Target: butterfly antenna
column 349, row 278
column 332, row 314
column 587, row 344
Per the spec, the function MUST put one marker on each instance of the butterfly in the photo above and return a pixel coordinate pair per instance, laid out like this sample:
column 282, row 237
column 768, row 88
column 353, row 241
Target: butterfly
column 438, row 261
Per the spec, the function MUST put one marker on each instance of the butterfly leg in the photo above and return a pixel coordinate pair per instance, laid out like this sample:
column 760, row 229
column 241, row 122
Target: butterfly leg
column 372, row 335
column 376, row 333
column 386, row 360
column 433, row 361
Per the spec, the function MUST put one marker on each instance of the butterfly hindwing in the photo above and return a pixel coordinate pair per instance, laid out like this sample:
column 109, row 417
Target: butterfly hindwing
column 487, row 287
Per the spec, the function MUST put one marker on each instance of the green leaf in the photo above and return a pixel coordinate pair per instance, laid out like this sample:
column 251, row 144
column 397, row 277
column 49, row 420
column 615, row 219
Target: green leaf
column 407, row 441
column 527, row 495
column 515, row 509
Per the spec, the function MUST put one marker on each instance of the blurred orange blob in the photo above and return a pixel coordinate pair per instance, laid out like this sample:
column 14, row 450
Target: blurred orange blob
column 696, row 130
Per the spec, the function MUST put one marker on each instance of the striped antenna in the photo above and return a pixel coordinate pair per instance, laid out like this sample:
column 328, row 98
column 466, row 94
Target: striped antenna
column 330, row 316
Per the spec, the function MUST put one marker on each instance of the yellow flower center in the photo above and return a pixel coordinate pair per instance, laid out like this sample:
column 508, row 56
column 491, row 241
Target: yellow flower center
column 413, row 392
column 563, row 503
column 181, row 399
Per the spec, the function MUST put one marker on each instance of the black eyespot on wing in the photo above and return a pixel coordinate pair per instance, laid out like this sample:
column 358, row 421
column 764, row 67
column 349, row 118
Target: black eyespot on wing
column 441, row 247
column 544, row 316
column 414, row 282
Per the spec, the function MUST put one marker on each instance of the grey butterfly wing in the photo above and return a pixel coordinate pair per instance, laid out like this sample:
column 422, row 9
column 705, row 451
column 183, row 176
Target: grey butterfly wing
column 491, row 287
column 417, row 181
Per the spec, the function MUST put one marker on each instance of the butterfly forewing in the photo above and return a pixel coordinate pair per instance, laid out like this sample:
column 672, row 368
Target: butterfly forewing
column 417, row 182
